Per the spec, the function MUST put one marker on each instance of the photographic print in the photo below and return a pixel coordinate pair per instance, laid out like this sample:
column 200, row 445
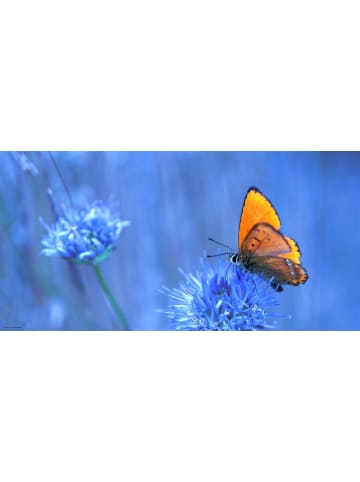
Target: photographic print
column 197, row 241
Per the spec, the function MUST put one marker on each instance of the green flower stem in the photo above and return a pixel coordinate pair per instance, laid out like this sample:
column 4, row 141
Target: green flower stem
column 110, row 296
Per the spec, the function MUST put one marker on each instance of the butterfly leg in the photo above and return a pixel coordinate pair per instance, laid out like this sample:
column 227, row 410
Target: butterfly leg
column 277, row 287
column 227, row 269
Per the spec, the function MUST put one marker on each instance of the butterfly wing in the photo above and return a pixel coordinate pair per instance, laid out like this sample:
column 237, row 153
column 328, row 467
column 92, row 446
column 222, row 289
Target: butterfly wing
column 264, row 240
column 283, row 270
column 256, row 209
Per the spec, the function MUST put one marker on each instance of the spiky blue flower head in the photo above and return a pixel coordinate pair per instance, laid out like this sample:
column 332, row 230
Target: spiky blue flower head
column 221, row 299
column 85, row 235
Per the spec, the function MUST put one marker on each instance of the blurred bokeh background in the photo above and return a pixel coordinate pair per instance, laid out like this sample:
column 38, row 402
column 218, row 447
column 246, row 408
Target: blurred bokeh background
column 175, row 201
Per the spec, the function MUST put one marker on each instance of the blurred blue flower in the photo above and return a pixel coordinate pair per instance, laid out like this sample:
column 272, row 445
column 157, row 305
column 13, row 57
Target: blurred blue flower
column 86, row 236
column 221, row 298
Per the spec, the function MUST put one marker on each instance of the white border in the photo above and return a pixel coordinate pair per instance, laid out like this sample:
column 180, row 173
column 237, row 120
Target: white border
column 162, row 406
column 265, row 75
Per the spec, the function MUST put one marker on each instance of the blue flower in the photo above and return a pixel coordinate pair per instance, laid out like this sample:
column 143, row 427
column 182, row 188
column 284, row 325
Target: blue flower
column 86, row 236
column 221, row 298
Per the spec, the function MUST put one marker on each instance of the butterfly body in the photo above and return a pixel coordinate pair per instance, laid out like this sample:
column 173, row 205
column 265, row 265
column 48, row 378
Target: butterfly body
column 263, row 248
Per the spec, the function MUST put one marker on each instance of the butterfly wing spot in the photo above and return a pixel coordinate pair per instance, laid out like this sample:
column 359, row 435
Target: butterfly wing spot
column 291, row 268
column 254, row 244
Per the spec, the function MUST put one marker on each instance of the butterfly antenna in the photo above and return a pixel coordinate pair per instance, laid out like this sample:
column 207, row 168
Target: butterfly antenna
column 57, row 169
column 219, row 254
column 221, row 244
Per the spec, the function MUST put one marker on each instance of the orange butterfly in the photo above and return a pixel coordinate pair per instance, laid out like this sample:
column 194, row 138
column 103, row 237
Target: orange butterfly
column 262, row 247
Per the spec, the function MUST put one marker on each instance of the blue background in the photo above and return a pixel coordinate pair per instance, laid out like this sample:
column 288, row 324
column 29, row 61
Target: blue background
column 175, row 200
